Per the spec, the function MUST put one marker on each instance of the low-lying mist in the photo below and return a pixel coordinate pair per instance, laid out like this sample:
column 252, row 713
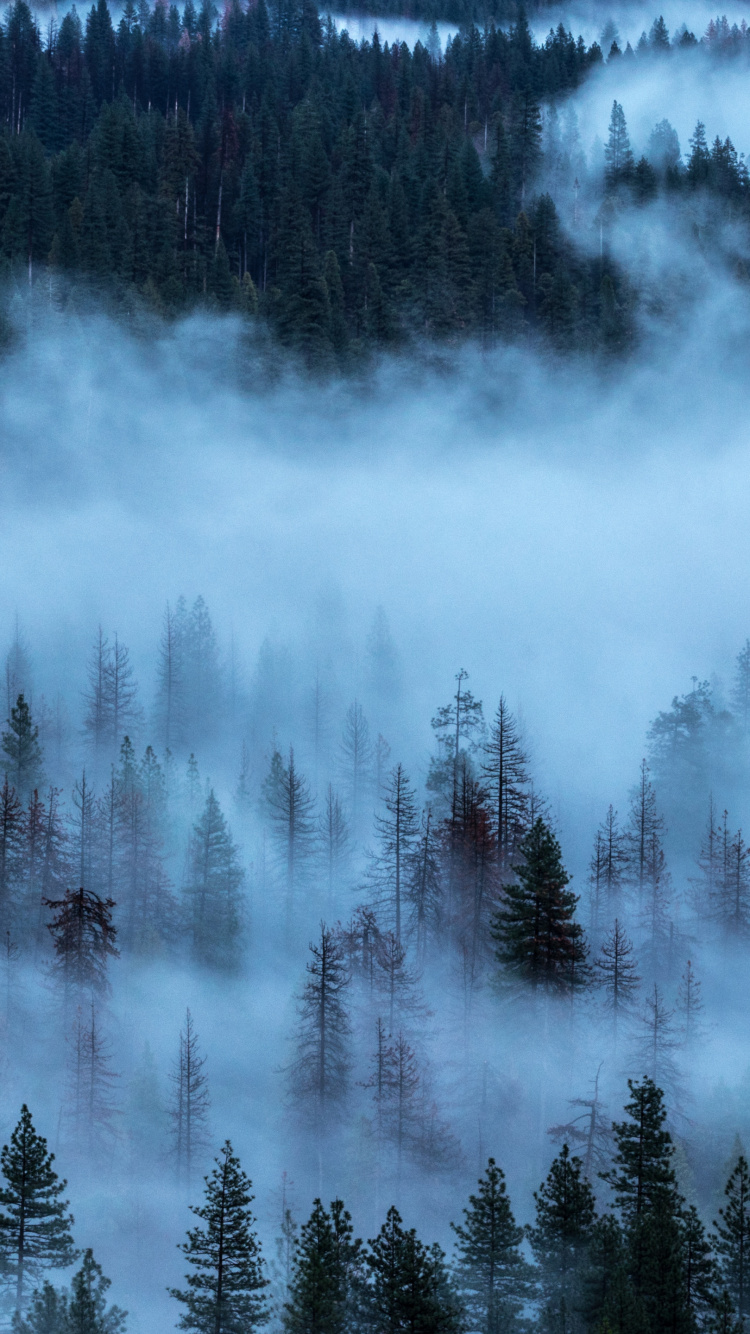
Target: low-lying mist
column 573, row 536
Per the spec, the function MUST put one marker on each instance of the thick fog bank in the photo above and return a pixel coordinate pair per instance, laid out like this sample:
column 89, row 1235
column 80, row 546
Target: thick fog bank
column 577, row 540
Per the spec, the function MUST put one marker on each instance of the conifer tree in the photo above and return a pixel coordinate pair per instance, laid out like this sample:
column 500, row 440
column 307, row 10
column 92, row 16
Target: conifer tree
column 615, row 972
column 87, row 1310
column 408, row 1287
column 83, row 936
column 215, row 890
column 89, row 1110
column 538, row 939
column 356, row 752
column 395, row 832
column 732, row 1239
column 22, row 750
column 560, row 1240
column 326, row 1275
column 319, row 1073
column 334, row 843
column 291, row 812
column 490, row 1271
column 425, row 890
column 224, row 1291
column 506, row 772
column 11, row 850
column 189, row 1104
column 34, row 1223
column 607, row 867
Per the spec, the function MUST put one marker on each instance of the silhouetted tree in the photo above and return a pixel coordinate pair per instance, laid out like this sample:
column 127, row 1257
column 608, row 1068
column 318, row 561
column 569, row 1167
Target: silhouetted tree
column 34, row 1222
column 225, row 1287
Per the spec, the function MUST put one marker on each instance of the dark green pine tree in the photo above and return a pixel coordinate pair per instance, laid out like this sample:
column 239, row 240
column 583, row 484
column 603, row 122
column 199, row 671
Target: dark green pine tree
column 537, row 937
column 87, row 1310
column 652, row 1214
column 732, row 1239
column 215, row 890
column 225, row 1289
column 560, row 1240
column 490, row 1273
column 409, row 1290
column 327, row 1274
column 22, row 751
column 34, row 1225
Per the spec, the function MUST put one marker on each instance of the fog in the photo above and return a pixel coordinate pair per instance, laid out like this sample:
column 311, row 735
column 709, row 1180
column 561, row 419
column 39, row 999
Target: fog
column 574, row 535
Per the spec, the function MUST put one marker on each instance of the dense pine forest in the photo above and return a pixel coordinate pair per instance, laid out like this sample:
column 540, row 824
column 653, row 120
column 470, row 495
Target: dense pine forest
column 343, row 197
column 223, row 861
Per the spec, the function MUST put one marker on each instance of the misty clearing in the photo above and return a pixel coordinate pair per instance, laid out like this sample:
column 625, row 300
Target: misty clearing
column 375, row 670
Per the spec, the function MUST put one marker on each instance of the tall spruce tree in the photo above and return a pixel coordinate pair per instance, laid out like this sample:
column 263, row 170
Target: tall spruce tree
column 35, row 1227
column 224, row 1290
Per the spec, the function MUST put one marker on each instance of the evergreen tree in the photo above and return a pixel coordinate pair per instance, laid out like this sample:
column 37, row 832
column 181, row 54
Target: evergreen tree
column 607, row 867
column 83, row 937
column 490, row 1272
column 320, row 1071
column 225, row 1288
column 34, row 1225
column 326, row 1275
column 215, row 890
column 87, row 1310
column 560, row 1240
column 618, row 154
column 189, row 1104
column 291, row 813
column 396, row 832
column 408, row 1287
column 732, row 1239
column 615, row 972
column 506, row 771
column 538, row 939
column 22, row 751
column 356, row 760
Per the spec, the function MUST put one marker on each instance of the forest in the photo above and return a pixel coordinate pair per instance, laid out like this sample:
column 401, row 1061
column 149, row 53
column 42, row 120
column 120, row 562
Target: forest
column 344, row 199
column 447, row 1014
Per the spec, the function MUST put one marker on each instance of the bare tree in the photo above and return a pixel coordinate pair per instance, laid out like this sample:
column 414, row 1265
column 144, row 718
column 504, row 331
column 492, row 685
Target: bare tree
column 319, row 1073
column 617, row 975
column 189, row 1105
column 396, row 833
column 356, row 760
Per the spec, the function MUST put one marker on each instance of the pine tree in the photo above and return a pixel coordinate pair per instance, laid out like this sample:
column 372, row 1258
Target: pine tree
column 741, row 688
column 334, row 844
column 356, row 752
column 225, row 1288
column 326, row 1275
column 90, row 1110
column 490, row 1272
column 560, row 1240
column 87, row 1310
column 458, row 728
column 22, row 751
column 607, row 867
column 170, row 692
column 538, row 939
column 615, row 971
column 732, row 1239
column 618, row 154
column 189, row 1104
column 656, row 1042
column 11, row 850
column 425, row 890
column 291, row 812
column 408, row 1288
column 83, row 937
column 319, row 1073
column 396, row 832
column 506, row 771
column 34, row 1224
column 690, row 1007
column 215, row 890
